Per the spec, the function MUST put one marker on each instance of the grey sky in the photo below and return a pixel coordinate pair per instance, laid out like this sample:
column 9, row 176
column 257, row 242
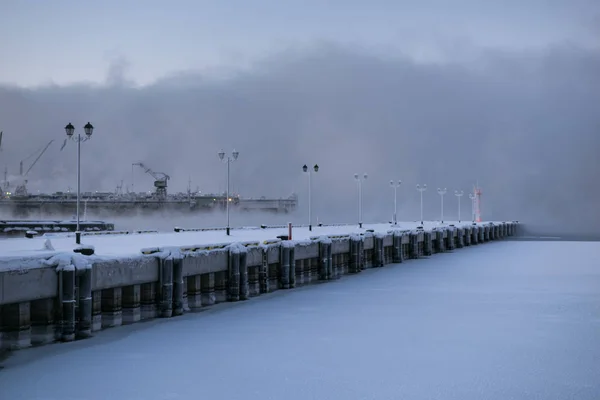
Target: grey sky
column 63, row 41
column 443, row 93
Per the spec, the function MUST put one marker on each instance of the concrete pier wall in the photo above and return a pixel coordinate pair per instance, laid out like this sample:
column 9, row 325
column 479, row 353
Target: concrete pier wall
column 72, row 296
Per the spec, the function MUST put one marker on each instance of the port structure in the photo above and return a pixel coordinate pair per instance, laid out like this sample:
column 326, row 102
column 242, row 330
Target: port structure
column 160, row 180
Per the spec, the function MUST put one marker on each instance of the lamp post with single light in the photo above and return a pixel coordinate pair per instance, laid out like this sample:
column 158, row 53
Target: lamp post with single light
column 442, row 192
column 70, row 130
column 459, row 194
column 359, row 181
column 395, row 186
column 472, row 197
column 228, row 160
column 421, row 189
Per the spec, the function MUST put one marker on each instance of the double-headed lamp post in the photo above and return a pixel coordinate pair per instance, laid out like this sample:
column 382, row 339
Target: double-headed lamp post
column 459, row 194
column 472, row 197
column 308, row 171
column 421, row 189
column 70, row 130
column 395, row 186
column 228, row 160
column 442, row 192
column 359, row 181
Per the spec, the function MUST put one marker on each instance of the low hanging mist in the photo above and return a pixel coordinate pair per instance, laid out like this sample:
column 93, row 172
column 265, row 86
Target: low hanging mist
column 525, row 125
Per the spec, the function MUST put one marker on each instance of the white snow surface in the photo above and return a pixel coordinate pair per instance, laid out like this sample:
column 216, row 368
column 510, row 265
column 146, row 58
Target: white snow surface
column 121, row 245
column 504, row 320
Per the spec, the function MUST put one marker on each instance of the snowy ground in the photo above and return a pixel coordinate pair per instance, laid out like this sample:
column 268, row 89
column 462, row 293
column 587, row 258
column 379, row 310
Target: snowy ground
column 127, row 245
column 504, row 320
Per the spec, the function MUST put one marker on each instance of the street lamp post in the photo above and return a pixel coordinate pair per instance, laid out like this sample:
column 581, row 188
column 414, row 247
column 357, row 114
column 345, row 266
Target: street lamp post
column 359, row 181
column 421, row 189
column 70, row 130
column 442, row 192
column 395, row 186
column 472, row 197
column 228, row 160
column 459, row 194
column 308, row 171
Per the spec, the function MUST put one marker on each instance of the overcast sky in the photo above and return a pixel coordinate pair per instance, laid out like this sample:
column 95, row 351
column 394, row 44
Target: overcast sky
column 64, row 41
column 437, row 92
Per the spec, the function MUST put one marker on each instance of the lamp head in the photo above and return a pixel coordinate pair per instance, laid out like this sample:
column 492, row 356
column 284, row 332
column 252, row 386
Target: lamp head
column 70, row 129
column 221, row 155
column 88, row 129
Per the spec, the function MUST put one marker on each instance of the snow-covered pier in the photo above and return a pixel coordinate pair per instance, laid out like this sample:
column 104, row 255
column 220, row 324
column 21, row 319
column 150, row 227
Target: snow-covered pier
column 51, row 291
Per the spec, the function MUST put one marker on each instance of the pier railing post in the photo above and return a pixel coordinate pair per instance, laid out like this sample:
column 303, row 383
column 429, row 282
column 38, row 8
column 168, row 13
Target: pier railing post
column 244, row 283
column 263, row 275
column 234, row 274
column 397, row 255
column 84, row 329
column 67, row 299
column 284, row 262
column 165, row 296
column 178, row 288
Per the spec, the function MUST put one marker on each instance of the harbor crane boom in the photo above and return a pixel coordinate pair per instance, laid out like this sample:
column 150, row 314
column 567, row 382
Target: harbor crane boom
column 21, row 190
column 160, row 180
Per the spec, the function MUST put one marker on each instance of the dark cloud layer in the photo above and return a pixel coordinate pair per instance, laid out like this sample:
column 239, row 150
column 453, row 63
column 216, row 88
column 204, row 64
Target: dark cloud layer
column 525, row 125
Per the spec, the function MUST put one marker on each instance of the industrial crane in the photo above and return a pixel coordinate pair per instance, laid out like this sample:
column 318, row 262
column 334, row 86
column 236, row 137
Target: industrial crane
column 21, row 190
column 160, row 180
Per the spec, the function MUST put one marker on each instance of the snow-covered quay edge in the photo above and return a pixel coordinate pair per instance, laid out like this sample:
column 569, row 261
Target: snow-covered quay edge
column 67, row 295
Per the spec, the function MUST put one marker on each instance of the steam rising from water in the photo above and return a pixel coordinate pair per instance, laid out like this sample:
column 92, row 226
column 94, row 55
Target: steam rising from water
column 525, row 125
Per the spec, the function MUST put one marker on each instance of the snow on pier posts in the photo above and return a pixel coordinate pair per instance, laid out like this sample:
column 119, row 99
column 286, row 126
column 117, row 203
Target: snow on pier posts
column 441, row 245
column 397, row 255
column 325, row 258
column 475, row 235
column 66, row 276
column 413, row 240
column 233, row 261
column 132, row 306
column 165, row 302
column 244, row 278
column 84, row 329
column 292, row 266
column 451, row 241
column 356, row 254
column 62, row 304
column 253, row 272
column 178, row 286
column 428, row 243
column 263, row 274
column 287, row 264
column 378, row 251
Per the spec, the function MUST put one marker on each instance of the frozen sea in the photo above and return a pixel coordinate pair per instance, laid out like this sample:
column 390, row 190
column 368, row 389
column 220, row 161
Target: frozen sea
column 505, row 320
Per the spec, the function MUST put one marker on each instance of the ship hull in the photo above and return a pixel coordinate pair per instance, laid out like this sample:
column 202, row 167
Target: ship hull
column 33, row 208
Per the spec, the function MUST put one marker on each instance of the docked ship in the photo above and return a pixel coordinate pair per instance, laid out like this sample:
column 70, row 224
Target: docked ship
column 108, row 204
column 20, row 203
